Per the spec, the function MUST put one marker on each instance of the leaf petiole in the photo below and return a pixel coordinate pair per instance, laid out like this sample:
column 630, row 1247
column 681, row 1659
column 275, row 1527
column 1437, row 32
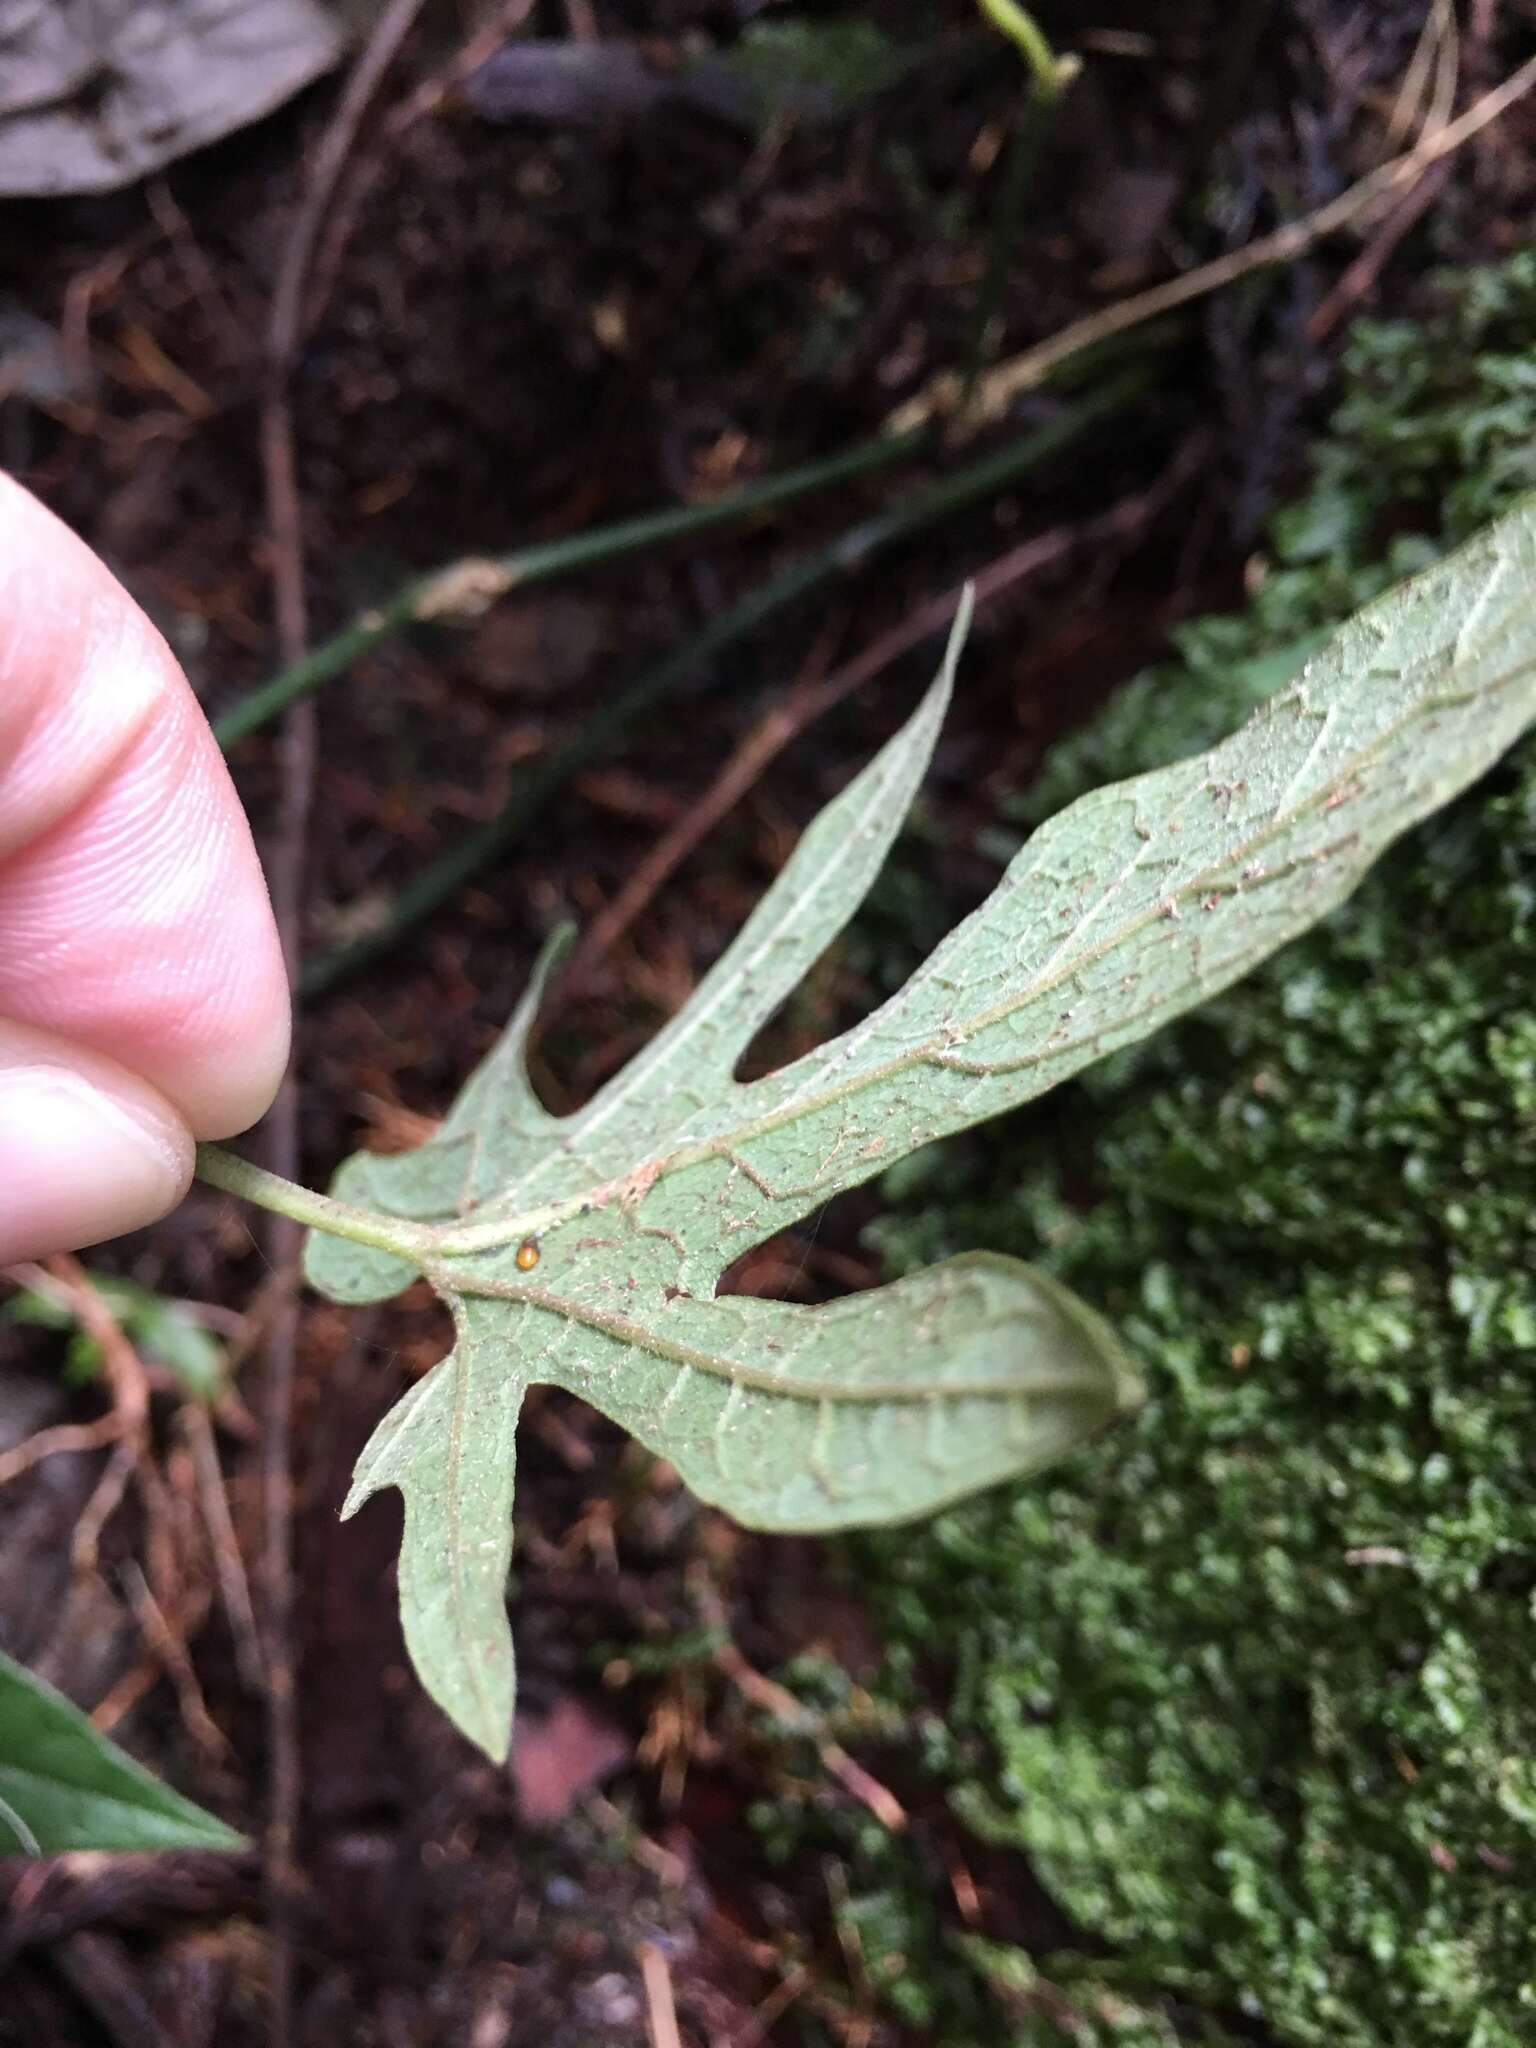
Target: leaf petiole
column 252, row 1183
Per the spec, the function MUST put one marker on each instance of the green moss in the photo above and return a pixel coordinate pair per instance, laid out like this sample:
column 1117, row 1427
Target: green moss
column 1253, row 1683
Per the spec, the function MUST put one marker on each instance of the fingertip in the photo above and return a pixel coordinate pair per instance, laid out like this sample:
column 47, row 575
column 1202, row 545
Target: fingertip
column 134, row 917
column 87, row 1150
column 220, row 1096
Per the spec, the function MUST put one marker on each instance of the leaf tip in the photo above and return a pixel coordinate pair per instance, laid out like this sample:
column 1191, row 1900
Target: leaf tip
column 360, row 1491
column 1130, row 1390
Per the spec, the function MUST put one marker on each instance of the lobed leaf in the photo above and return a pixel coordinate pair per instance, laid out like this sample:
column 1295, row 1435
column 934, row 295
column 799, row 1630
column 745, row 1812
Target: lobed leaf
column 585, row 1251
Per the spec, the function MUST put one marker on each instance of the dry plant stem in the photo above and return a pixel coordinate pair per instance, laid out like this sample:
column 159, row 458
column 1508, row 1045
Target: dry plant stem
column 48, row 1443
column 282, row 1242
column 347, row 200
column 778, row 1701
column 773, row 2008
column 1359, row 280
column 998, row 388
column 66, row 1436
column 99, row 1971
column 660, row 2006
column 156, row 1598
column 171, row 1650
column 229, row 1564
column 283, row 1238
column 1424, row 66
column 130, row 1404
column 427, row 97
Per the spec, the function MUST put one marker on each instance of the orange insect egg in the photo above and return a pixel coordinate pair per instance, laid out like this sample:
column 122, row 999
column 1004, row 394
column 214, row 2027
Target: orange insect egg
column 527, row 1255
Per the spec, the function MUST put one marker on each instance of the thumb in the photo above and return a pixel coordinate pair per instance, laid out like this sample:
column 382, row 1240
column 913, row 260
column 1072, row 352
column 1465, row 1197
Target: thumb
column 87, row 1149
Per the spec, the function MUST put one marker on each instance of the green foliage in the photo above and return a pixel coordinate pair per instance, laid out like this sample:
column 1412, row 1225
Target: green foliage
column 1253, row 1686
column 585, row 1252
column 63, row 1786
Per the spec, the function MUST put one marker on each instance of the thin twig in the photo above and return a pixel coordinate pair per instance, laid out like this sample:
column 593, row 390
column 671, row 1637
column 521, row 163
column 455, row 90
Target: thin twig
column 780, row 1703
column 427, row 97
column 660, row 2006
column 156, row 1598
column 229, row 1564
column 1417, row 90
column 49, row 1443
column 171, row 1650
column 347, row 200
column 106, row 1498
column 1000, row 387
column 298, row 763
column 130, row 1403
column 281, row 1245
column 767, row 2015
column 389, row 32
column 1048, row 78
column 1359, row 280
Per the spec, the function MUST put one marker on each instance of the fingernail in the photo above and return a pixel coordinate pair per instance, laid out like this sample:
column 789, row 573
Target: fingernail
column 77, row 1165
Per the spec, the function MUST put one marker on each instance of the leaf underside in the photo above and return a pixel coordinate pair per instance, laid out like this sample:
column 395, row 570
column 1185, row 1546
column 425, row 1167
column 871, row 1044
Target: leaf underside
column 1132, row 905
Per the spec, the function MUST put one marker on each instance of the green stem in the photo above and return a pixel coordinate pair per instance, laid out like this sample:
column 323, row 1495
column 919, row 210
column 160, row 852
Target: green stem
column 236, row 1176
column 850, row 551
column 431, row 596
column 1021, row 29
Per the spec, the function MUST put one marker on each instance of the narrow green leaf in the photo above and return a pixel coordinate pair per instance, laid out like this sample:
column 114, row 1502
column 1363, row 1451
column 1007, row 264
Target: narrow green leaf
column 63, row 1786
column 585, row 1251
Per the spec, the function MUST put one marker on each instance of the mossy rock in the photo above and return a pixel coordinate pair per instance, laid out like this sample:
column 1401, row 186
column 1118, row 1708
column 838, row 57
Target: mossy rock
column 1253, row 1681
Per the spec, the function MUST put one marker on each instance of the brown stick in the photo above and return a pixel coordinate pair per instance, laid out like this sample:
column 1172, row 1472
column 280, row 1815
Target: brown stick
column 427, row 97
column 48, row 1443
column 780, row 1702
column 660, row 2006
column 298, row 748
column 130, row 1406
column 229, row 1564
column 998, row 389
column 1359, row 280
column 157, row 1598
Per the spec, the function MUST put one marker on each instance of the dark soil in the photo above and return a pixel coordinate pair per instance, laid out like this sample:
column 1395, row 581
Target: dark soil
column 528, row 332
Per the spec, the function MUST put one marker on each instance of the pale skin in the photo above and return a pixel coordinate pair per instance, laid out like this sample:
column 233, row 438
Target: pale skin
column 143, row 1002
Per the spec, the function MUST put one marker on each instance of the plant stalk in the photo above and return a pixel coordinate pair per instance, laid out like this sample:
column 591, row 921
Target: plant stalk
column 478, row 581
column 252, row 1183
